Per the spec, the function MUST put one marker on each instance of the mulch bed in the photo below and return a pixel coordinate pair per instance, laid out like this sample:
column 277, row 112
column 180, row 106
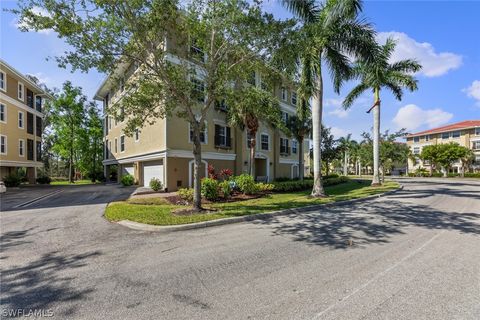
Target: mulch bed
column 236, row 196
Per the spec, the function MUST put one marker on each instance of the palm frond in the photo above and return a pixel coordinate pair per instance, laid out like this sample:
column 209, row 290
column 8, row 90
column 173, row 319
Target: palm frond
column 357, row 39
column 354, row 94
column 396, row 89
column 404, row 80
column 341, row 10
column 339, row 67
column 407, row 65
column 307, row 10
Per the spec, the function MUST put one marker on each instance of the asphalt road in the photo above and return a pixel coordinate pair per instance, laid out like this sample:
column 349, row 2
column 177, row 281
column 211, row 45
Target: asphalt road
column 415, row 255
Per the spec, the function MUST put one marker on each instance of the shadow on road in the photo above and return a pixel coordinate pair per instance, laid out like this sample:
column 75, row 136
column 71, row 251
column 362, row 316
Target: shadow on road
column 336, row 227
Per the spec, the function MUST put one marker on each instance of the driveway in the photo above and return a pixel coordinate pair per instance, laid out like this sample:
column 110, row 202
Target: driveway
column 412, row 255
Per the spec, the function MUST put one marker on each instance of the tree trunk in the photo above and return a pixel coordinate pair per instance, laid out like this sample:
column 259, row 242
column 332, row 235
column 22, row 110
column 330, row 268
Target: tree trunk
column 197, row 156
column 70, row 166
column 251, row 169
column 317, row 109
column 376, row 139
column 300, row 158
column 345, row 164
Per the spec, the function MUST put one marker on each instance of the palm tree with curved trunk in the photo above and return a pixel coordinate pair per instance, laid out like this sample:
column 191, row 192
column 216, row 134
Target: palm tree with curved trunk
column 378, row 74
column 330, row 33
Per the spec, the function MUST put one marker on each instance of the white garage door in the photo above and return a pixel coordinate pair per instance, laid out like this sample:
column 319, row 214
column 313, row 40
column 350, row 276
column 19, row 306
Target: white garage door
column 128, row 170
column 152, row 171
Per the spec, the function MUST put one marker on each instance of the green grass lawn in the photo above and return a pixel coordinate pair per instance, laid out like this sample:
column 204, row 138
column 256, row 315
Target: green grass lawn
column 67, row 183
column 158, row 211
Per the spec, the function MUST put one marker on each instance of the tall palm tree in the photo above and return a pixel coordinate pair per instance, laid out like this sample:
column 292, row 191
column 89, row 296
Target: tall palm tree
column 300, row 127
column 345, row 144
column 375, row 75
column 330, row 33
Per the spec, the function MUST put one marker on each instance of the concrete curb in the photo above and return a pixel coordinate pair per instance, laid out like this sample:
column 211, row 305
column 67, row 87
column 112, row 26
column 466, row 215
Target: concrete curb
column 260, row 216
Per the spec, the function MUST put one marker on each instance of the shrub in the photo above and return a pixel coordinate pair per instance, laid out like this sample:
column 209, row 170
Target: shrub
column 226, row 173
column 226, row 188
column 289, row 186
column 246, row 184
column 282, row 179
column 211, row 172
column 210, row 189
column 44, row 180
column 437, row 174
column 127, row 180
column 472, row 175
column 12, row 180
column 186, row 194
column 155, row 184
column 453, row 175
column 332, row 175
column 265, row 187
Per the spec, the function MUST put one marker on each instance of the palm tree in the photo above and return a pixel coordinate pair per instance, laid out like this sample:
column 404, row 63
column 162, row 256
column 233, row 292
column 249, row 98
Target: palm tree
column 377, row 74
column 345, row 144
column 330, row 32
column 300, row 126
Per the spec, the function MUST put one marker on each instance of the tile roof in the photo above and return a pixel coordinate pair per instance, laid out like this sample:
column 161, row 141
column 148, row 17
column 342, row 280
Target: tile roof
column 451, row 127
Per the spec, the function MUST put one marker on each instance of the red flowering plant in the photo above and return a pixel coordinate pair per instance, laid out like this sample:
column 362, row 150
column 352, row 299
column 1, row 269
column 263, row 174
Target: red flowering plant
column 226, row 173
column 211, row 172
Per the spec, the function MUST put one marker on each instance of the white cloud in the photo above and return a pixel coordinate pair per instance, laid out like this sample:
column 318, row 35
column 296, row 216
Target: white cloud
column 474, row 91
column 38, row 11
column 412, row 117
column 434, row 63
column 338, row 132
column 338, row 110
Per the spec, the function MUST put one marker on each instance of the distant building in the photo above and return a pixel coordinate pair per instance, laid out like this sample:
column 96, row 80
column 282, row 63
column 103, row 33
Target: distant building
column 465, row 133
column 21, row 120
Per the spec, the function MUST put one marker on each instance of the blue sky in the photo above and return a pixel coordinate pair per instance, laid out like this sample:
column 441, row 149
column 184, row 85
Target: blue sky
column 442, row 35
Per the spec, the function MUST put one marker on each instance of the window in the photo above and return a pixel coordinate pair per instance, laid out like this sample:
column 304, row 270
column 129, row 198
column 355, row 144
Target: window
column 264, row 140
column 29, row 123
column 116, row 145
column 109, row 148
column 30, row 98
column 416, row 139
column 21, row 119
column 196, row 51
column 477, row 131
column 3, row 144
column 285, row 117
column 38, row 126
column 198, row 90
column 21, row 92
column 137, row 135
column 445, row 135
column 284, row 94
column 222, row 136
column 427, row 138
column 294, row 98
column 476, row 145
column 477, row 159
column 284, row 146
column 249, row 140
column 21, row 148
column 3, row 81
column 455, row 134
column 38, row 103
column 39, row 151
column 221, row 105
column 203, row 134
column 416, row 150
column 3, row 113
column 122, row 143
column 29, row 149
column 294, row 146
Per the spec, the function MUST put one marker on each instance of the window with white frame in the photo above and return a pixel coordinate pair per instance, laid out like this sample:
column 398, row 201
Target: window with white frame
column 3, row 81
column 137, row 135
column 477, row 131
column 294, row 98
column 445, row 135
column 122, row 143
column 284, row 146
column 284, row 94
column 427, row 137
column 198, row 90
column 264, row 141
column 285, row 117
column 3, row 144
column 3, row 112
column 21, row 116
column 203, row 134
column 416, row 139
column 116, row 145
column 416, row 150
column 21, row 91
column 294, row 146
column 222, row 136
column 456, row 134
column 476, row 145
column 250, row 137
column 21, row 147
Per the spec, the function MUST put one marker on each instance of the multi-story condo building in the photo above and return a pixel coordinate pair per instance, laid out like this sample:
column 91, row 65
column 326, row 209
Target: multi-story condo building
column 164, row 149
column 465, row 133
column 21, row 117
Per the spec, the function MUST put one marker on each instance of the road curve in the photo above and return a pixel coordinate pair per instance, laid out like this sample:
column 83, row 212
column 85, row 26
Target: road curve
column 411, row 255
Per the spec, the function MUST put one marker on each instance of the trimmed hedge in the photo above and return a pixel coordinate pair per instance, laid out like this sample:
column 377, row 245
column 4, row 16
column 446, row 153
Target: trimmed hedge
column 297, row 185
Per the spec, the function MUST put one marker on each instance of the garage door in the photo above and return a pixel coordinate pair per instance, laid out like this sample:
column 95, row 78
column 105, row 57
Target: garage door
column 152, row 171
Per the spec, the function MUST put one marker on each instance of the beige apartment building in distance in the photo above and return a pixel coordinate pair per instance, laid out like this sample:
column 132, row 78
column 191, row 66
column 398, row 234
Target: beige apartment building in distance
column 465, row 133
column 164, row 150
column 21, row 119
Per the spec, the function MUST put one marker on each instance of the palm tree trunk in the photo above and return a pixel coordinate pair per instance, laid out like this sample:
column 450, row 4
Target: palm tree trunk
column 300, row 159
column 317, row 109
column 251, row 169
column 197, row 162
column 376, row 139
column 345, row 164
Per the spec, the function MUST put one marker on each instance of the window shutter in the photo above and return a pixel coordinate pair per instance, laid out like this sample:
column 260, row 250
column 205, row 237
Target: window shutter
column 288, row 150
column 229, row 140
column 217, row 136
